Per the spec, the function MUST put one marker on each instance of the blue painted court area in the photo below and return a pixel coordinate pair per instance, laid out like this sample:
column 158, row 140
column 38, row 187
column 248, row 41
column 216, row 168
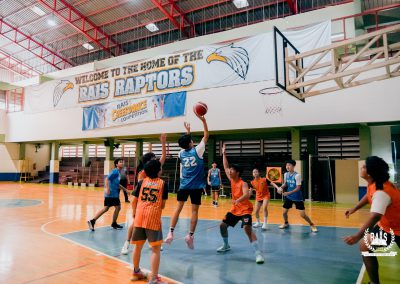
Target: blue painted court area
column 292, row 256
column 12, row 203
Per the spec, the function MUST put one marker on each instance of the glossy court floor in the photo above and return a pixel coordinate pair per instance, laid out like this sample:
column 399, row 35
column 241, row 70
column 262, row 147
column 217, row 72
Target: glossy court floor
column 44, row 239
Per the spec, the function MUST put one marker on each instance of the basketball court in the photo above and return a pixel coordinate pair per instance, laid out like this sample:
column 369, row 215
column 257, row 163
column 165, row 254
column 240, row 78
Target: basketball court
column 309, row 83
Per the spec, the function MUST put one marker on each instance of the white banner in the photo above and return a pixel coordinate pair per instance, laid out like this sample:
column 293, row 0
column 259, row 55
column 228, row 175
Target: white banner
column 133, row 110
column 231, row 63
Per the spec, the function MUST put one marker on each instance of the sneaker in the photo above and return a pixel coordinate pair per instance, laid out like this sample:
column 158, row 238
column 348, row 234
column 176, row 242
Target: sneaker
column 215, row 206
column 264, row 226
column 314, row 229
column 91, row 224
column 223, row 248
column 189, row 241
column 157, row 281
column 170, row 238
column 162, row 248
column 259, row 258
column 140, row 275
column 116, row 226
column 256, row 225
column 124, row 249
column 284, row 226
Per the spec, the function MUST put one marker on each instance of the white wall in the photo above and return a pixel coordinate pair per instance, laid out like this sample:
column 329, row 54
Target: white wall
column 236, row 107
column 3, row 124
column 9, row 158
column 41, row 158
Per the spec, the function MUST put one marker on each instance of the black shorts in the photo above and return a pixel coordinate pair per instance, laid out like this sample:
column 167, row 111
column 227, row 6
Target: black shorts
column 123, row 182
column 215, row 188
column 112, row 201
column 195, row 195
column 232, row 220
column 289, row 203
column 376, row 230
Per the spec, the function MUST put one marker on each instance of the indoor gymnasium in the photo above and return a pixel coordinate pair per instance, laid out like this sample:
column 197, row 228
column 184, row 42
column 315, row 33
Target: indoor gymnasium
column 200, row 141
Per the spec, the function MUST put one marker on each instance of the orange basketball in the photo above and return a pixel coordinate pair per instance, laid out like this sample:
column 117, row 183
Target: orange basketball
column 200, row 108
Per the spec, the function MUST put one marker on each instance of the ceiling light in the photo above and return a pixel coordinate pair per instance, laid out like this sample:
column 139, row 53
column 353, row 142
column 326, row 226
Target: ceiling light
column 88, row 46
column 38, row 11
column 51, row 22
column 152, row 27
column 240, row 3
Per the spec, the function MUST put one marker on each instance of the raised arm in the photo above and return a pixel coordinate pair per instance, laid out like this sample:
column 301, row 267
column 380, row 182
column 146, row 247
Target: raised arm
column 225, row 162
column 205, row 126
column 246, row 193
column 163, row 139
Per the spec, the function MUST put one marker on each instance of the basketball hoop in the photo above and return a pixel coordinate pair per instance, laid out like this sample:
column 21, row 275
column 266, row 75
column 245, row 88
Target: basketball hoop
column 272, row 97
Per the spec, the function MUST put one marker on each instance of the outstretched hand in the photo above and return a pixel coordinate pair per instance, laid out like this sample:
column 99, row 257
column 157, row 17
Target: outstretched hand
column 201, row 117
column 187, row 126
column 223, row 149
column 163, row 138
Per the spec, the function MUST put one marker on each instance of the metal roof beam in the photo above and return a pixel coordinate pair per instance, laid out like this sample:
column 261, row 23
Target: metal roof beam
column 292, row 6
column 33, row 46
column 16, row 66
column 169, row 9
column 85, row 26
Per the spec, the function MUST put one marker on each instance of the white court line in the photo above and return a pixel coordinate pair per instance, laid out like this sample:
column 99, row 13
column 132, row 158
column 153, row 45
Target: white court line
column 42, row 228
column 361, row 275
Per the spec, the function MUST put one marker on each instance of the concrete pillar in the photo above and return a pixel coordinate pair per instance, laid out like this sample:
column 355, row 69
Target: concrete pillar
column 211, row 150
column 139, row 151
column 85, row 154
column 109, row 161
column 54, row 163
column 365, row 141
column 296, row 143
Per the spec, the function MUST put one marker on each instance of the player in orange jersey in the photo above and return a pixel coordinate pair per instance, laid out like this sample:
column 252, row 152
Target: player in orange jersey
column 260, row 185
column 384, row 218
column 241, row 209
column 148, row 202
column 141, row 176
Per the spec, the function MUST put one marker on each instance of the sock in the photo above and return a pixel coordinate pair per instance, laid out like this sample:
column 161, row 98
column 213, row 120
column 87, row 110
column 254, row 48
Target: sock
column 93, row 221
column 255, row 246
column 136, row 270
column 258, row 220
column 171, row 229
column 225, row 241
column 265, row 220
column 191, row 234
column 213, row 202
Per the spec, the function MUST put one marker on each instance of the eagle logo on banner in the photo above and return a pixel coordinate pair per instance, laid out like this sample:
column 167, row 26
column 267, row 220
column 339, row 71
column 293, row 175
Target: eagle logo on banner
column 237, row 58
column 60, row 90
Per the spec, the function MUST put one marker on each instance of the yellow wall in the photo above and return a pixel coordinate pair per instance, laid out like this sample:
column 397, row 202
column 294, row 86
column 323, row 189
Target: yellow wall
column 346, row 181
column 9, row 157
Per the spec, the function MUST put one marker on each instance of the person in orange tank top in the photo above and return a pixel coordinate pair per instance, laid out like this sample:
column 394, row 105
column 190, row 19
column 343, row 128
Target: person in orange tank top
column 260, row 185
column 384, row 217
column 241, row 209
column 141, row 176
column 149, row 200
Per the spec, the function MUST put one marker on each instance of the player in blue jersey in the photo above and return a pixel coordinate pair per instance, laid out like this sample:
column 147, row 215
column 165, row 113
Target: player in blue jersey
column 192, row 180
column 111, row 195
column 214, row 180
column 293, row 195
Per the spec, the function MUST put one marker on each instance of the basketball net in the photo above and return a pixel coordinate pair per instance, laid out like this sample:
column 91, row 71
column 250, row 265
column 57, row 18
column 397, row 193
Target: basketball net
column 272, row 98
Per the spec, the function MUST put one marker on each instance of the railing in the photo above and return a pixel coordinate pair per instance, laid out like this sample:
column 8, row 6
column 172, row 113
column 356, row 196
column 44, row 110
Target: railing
column 300, row 81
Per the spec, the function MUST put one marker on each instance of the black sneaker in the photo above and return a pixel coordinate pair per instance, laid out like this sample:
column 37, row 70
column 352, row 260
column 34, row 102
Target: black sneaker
column 91, row 224
column 116, row 226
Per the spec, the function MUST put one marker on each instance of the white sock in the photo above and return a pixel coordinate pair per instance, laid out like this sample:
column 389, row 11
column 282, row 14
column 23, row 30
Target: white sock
column 258, row 220
column 255, row 246
column 265, row 220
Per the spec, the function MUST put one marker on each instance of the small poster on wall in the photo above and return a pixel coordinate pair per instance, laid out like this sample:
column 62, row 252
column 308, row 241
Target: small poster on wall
column 274, row 174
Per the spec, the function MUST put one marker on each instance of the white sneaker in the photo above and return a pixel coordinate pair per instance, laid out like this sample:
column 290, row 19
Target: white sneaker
column 224, row 248
column 264, row 226
column 125, row 248
column 284, row 226
column 314, row 229
column 256, row 225
column 259, row 258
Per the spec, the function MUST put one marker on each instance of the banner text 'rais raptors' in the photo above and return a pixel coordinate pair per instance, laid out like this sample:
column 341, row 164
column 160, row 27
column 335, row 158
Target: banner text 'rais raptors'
column 161, row 74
